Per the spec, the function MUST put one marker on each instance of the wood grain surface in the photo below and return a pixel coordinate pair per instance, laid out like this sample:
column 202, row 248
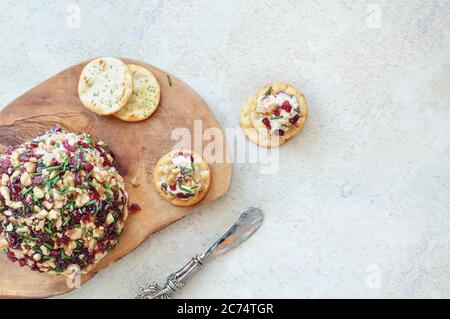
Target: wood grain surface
column 136, row 148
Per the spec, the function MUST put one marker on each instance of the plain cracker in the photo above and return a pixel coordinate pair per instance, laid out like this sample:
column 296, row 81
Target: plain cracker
column 145, row 97
column 105, row 85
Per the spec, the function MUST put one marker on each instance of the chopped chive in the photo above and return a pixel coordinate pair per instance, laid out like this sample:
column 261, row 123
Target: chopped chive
column 96, row 211
column 67, row 220
column 63, row 255
column 107, row 186
column 36, row 249
column 53, row 168
column 184, row 188
column 17, row 166
column 92, row 202
column 267, row 92
column 26, row 191
column 55, row 179
column 63, row 191
column 81, row 186
column 89, row 140
column 2, row 208
column 46, row 257
column 84, row 232
column 66, row 163
column 89, row 175
column 48, row 245
column 276, row 117
column 169, row 80
column 37, row 174
column 108, row 196
column 48, row 228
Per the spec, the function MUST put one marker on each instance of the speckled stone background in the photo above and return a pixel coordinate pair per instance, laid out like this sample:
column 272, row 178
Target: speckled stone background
column 360, row 206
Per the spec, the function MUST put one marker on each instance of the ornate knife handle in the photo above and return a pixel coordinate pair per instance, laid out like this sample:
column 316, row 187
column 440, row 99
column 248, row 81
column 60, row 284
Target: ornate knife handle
column 175, row 282
column 247, row 224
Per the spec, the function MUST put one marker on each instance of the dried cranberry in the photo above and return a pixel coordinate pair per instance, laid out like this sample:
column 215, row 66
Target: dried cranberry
column 11, row 256
column 55, row 129
column 93, row 194
column 134, row 208
column 35, row 267
column 173, row 187
column 37, row 180
column 73, row 162
column 5, row 164
column 78, row 180
column 276, row 112
column 106, row 161
column 55, row 253
column 42, row 237
column 63, row 240
column 266, row 123
column 22, row 262
column 85, row 145
column 86, row 218
column 101, row 247
column 54, row 163
column 67, row 146
column 286, row 106
column 279, row 132
column 88, row 167
column 181, row 195
column 294, row 119
column 192, row 159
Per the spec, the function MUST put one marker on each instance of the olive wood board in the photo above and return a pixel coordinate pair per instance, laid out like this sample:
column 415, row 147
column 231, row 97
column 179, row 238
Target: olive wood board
column 136, row 148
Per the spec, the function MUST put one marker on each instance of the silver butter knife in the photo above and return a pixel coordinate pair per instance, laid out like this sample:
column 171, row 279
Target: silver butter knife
column 246, row 225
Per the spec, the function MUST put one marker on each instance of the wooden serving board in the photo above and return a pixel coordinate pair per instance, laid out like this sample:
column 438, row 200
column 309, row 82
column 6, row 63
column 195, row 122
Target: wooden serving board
column 136, row 148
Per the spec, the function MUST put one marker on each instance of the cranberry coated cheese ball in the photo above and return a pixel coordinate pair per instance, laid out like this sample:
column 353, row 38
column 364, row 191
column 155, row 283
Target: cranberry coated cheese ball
column 63, row 203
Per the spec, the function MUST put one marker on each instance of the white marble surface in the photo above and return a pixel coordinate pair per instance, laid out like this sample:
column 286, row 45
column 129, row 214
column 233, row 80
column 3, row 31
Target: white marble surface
column 360, row 206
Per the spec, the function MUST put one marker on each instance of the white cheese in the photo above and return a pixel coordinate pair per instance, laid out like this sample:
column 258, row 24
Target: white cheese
column 181, row 161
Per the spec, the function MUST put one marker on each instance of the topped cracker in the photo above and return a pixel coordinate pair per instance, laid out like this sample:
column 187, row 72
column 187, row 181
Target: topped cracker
column 274, row 115
column 182, row 177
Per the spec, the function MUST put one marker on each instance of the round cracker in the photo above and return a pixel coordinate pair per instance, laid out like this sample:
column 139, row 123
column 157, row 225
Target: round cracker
column 145, row 97
column 264, row 138
column 205, row 174
column 105, row 85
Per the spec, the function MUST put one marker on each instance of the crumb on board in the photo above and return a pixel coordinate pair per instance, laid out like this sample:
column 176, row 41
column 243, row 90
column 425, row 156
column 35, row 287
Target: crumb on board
column 134, row 208
column 135, row 182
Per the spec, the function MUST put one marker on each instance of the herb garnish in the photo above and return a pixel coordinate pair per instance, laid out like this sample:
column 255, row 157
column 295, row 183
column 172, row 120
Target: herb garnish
column 92, row 202
column 267, row 92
